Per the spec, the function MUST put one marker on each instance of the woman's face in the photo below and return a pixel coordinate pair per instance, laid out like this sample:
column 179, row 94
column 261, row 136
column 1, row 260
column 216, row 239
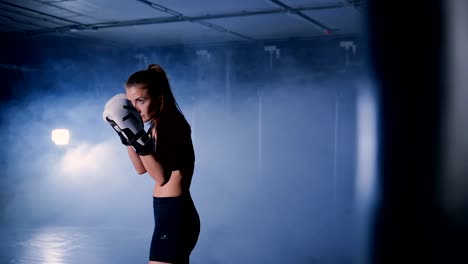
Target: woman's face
column 138, row 95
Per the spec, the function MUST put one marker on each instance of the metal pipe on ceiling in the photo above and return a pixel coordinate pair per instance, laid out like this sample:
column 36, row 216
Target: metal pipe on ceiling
column 15, row 21
column 290, row 9
column 52, row 4
column 201, row 22
column 41, row 13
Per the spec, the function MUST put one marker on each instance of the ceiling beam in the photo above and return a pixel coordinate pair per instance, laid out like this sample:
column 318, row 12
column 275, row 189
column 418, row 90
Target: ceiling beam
column 291, row 10
column 198, row 21
column 175, row 18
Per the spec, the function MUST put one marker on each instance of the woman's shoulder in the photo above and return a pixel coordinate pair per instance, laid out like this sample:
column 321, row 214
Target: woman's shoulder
column 173, row 123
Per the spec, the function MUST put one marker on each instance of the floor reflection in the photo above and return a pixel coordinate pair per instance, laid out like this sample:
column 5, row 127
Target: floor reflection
column 64, row 245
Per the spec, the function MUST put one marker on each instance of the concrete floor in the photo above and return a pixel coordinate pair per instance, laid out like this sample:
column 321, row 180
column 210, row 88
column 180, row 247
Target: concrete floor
column 70, row 245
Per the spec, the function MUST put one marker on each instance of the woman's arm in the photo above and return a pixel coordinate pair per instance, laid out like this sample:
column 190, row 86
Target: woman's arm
column 148, row 164
column 135, row 158
column 154, row 168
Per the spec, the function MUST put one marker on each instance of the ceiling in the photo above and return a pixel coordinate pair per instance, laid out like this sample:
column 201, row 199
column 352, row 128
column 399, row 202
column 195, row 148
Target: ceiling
column 143, row 23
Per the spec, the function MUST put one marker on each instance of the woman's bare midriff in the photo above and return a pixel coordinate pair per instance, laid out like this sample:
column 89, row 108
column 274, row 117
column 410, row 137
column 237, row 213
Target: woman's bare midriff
column 172, row 188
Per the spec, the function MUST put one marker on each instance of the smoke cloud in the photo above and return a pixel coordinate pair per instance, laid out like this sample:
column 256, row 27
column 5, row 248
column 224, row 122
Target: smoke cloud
column 275, row 154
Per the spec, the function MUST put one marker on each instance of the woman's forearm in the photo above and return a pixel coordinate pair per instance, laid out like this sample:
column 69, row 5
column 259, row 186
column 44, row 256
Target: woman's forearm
column 154, row 168
column 148, row 164
column 136, row 161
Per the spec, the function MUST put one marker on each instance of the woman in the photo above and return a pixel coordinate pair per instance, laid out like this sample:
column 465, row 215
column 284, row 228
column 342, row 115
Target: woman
column 170, row 162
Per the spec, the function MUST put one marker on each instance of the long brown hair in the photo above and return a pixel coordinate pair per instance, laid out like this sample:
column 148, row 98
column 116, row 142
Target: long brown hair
column 155, row 80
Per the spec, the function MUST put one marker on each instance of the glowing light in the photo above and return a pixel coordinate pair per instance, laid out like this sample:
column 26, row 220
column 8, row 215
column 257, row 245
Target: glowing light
column 367, row 146
column 60, row 136
column 366, row 171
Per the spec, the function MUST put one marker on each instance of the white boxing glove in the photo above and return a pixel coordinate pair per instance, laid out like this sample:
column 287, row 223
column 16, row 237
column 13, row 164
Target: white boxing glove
column 126, row 121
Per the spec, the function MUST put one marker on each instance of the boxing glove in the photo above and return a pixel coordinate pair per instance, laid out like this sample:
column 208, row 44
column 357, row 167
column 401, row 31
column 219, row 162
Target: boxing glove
column 126, row 121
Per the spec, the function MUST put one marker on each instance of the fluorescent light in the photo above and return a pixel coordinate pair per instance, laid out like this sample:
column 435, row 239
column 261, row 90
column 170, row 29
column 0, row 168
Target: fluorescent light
column 60, row 136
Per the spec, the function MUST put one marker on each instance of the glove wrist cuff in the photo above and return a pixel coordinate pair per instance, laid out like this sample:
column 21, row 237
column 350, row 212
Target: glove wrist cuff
column 142, row 144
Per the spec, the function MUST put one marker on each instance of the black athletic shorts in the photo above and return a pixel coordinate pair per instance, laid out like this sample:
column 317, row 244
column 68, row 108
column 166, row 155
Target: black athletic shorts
column 176, row 230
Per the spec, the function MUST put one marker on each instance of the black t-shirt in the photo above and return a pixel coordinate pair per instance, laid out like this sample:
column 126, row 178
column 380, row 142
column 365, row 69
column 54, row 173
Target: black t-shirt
column 174, row 147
